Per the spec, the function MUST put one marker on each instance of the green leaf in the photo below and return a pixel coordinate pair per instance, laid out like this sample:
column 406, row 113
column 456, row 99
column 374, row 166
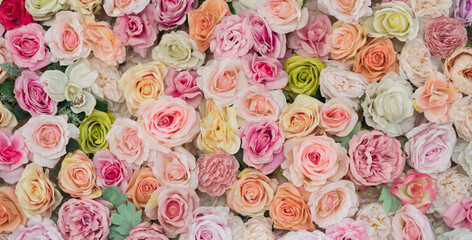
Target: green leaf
column 345, row 140
column 101, row 106
column 19, row 113
column 126, row 218
column 113, row 194
column 239, row 157
column 56, row 66
column 231, row 8
column 72, row 145
column 12, row 70
column 114, row 235
column 389, row 201
column 319, row 96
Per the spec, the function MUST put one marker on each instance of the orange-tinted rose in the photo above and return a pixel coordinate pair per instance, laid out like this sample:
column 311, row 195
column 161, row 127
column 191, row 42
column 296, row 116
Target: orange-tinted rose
column 11, row 214
column 142, row 184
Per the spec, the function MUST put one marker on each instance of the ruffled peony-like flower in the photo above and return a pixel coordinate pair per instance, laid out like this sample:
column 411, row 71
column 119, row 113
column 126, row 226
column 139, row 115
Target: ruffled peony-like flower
column 428, row 9
column 300, row 118
column 378, row 221
column 458, row 68
column 105, row 46
column 13, row 154
column 451, row 187
column 411, row 223
column 376, row 59
column 415, row 62
column 31, row 95
column 37, row 228
column 217, row 172
column 443, row 35
column 232, row 38
column 146, row 231
column 349, row 228
column 183, row 85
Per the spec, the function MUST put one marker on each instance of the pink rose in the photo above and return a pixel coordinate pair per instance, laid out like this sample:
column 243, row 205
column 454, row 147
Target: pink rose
column 47, row 136
column 435, row 98
column 283, row 16
column 118, row 8
column 348, row 11
column 305, row 235
column 459, row 214
column 349, row 229
column 255, row 103
column 84, row 219
column 415, row 188
column 13, row 154
column 443, row 35
column 167, row 122
column 173, row 208
column 105, row 46
column 429, row 147
column 266, row 42
column 36, row 228
column 338, row 117
column 27, row 47
column 137, row 30
column 217, row 172
column 265, row 70
column 333, row 202
column 183, row 85
column 65, row 38
column 313, row 40
column 176, row 168
column 232, row 38
column 110, row 170
column 375, row 158
column 170, row 14
column 313, row 161
column 31, row 96
column 212, row 223
column 411, row 223
column 146, row 231
column 125, row 144
column 262, row 143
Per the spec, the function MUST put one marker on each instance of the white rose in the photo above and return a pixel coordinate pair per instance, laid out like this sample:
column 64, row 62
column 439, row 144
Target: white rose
column 106, row 86
column 461, row 114
column 260, row 228
column 462, row 155
column 7, row 119
column 43, row 10
column 179, row 51
column 431, row 8
column 451, row 187
column 85, row 7
column 415, row 62
column 380, row 222
column 388, row 105
column 456, row 234
column 346, row 11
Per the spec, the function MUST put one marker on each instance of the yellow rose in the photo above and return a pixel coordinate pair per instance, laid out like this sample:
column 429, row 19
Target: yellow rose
column 142, row 82
column 300, row 118
column 219, row 130
column 36, row 193
column 7, row 119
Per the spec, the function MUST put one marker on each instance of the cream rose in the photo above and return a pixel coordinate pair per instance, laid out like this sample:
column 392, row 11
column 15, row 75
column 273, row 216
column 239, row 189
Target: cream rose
column 451, row 187
column 85, row 7
column 462, row 155
column 431, row 8
column 105, row 87
column 43, row 10
column 380, row 222
column 260, row 228
column 460, row 113
column 7, row 119
column 300, row 118
column 415, row 62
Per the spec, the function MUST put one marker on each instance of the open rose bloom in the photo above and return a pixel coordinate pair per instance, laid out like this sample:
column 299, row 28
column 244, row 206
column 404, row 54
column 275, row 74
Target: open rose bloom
column 236, row 119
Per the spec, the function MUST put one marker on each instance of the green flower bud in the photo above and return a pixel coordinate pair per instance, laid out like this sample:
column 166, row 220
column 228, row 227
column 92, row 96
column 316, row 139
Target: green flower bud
column 303, row 74
column 93, row 130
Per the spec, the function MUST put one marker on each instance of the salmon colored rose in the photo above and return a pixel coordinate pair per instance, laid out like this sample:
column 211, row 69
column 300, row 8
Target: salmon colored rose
column 36, row 193
column 338, row 117
column 289, row 209
column 11, row 213
column 203, row 20
column 103, row 42
column 376, row 58
column 458, row 68
column 140, row 187
column 346, row 40
column 283, row 16
column 78, row 176
column 301, row 117
column 252, row 193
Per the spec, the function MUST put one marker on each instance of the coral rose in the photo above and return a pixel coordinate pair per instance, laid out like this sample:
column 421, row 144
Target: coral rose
column 11, row 213
column 140, row 187
column 376, row 58
column 338, row 117
column 458, row 68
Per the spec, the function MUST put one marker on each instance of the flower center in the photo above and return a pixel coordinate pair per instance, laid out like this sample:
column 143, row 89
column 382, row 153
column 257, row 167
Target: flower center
column 75, row 95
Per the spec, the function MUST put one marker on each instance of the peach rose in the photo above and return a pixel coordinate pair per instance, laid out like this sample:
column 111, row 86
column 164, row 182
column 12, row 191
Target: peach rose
column 252, row 193
column 458, row 68
column 289, row 209
column 255, row 103
column 312, row 161
column 283, row 16
column 202, row 21
column 460, row 114
column 376, row 58
column 435, row 98
column 11, row 213
column 338, row 117
column 78, row 176
column 415, row 62
column 140, row 187
column 36, row 193
column 142, row 82
column 333, row 202
column 103, row 42
column 346, row 40
column 301, row 117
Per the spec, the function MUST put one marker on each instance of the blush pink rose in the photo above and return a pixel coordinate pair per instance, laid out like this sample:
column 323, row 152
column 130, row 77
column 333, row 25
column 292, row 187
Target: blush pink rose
column 167, row 122
column 118, row 8
column 375, row 158
column 262, row 143
column 27, row 47
column 84, row 219
column 313, row 161
column 411, row 223
column 31, row 96
column 232, row 38
column 338, row 117
column 283, row 16
column 171, row 14
column 146, row 231
column 137, row 30
column 265, row 70
column 348, row 11
column 305, row 235
column 110, row 170
column 65, row 38
column 47, row 136
column 256, row 103
column 349, row 229
column 443, row 35
column 266, row 42
column 417, row 189
column 37, row 228
column 173, row 208
column 183, row 85
column 217, row 172
column 13, row 154
column 459, row 214
column 333, row 202
column 313, row 40
column 105, row 46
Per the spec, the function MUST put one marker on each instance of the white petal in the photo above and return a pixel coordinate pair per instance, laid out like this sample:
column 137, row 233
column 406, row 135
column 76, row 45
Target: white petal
column 81, row 73
column 55, row 82
column 88, row 106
